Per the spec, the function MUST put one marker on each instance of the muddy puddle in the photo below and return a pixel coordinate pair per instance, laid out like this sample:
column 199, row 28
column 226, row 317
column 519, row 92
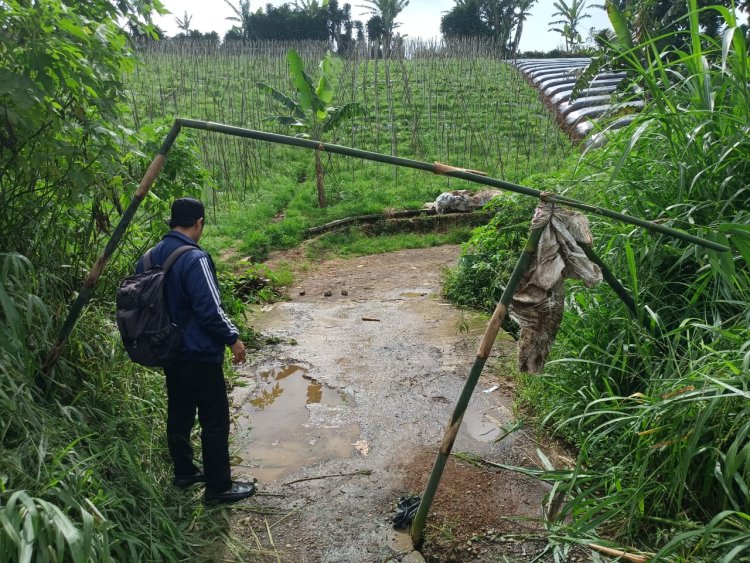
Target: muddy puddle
column 286, row 420
column 485, row 425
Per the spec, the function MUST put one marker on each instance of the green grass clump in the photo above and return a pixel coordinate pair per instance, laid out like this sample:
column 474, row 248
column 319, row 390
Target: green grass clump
column 660, row 416
column 84, row 471
column 488, row 258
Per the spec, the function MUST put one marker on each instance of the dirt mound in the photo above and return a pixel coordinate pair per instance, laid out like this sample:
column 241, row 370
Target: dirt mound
column 473, row 507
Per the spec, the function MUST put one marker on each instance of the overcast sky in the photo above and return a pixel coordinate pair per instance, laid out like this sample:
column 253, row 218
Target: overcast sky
column 421, row 18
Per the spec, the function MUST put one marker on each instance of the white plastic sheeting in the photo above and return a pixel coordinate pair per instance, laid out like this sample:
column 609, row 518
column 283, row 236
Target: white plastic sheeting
column 539, row 299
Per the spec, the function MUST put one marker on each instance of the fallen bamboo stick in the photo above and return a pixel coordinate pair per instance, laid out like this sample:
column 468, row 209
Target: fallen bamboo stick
column 635, row 558
column 360, row 472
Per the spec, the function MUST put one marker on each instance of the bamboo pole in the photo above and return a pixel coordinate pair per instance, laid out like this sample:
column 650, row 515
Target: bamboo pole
column 483, row 353
column 96, row 270
column 436, row 168
column 622, row 292
column 613, row 282
column 619, row 553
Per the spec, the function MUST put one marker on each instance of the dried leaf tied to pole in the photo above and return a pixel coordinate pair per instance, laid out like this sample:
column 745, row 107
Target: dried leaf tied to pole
column 538, row 303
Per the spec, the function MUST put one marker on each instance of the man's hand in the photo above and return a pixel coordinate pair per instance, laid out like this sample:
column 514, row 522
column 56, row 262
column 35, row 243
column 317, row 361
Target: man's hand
column 238, row 352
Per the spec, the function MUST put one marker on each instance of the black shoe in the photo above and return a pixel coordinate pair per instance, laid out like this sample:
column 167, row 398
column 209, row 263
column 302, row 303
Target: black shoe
column 188, row 480
column 238, row 491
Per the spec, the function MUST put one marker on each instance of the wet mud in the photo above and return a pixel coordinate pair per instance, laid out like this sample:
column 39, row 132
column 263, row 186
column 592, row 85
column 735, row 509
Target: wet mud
column 338, row 426
column 286, row 420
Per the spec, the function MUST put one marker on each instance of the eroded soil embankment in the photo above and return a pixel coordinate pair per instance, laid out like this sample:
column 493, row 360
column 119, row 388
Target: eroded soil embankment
column 346, row 417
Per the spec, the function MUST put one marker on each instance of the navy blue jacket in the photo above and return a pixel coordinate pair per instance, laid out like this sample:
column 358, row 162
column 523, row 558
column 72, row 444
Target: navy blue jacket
column 192, row 294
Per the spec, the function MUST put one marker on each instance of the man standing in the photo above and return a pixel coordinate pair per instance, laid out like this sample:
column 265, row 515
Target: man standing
column 196, row 380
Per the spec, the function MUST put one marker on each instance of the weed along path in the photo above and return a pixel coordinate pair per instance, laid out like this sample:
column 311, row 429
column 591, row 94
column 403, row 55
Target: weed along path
column 346, row 414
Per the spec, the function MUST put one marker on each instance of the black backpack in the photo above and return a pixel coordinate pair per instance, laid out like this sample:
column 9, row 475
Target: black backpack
column 150, row 337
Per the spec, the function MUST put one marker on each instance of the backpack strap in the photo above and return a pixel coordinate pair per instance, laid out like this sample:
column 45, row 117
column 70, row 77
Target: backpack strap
column 147, row 260
column 176, row 253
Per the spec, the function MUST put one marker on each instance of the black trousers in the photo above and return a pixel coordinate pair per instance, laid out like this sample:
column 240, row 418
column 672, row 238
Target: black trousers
column 193, row 386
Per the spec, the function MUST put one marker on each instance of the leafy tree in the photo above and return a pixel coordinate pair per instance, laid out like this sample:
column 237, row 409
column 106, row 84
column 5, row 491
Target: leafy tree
column 523, row 11
column 61, row 64
column 313, row 20
column 310, row 7
column 338, row 21
column 233, row 34
column 387, row 11
column 375, row 33
column 312, row 114
column 465, row 20
column 241, row 16
column 500, row 16
column 286, row 24
column 359, row 26
column 340, row 26
column 138, row 33
column 209, row 38
column 375, row 29
column 500, row 19
column 345, row 41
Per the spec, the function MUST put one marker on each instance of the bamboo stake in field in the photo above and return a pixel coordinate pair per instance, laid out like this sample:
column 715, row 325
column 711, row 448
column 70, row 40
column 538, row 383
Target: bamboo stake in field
column 483, row 353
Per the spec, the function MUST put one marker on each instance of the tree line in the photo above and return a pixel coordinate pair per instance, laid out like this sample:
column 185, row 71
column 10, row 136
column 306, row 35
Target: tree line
column 500, row 20
column 311, row 20
column 503, row 20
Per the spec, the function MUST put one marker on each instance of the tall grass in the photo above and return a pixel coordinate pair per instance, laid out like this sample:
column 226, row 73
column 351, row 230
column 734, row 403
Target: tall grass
column 661, row 417
column 83, row 477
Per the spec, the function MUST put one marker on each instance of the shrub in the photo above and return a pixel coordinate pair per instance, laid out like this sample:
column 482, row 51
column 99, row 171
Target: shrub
column 490, row 255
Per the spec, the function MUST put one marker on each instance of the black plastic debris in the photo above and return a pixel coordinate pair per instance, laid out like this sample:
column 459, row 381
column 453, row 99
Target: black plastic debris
column 405, row 511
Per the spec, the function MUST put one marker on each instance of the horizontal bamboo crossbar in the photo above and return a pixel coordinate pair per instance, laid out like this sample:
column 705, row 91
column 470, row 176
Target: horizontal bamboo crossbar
column 445, row 170
column 436, row 168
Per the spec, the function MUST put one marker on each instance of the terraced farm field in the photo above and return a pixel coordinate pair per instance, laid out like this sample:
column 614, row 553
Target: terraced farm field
column 461, row 105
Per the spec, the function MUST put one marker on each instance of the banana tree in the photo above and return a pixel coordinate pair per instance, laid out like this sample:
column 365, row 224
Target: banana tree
column 312, row 113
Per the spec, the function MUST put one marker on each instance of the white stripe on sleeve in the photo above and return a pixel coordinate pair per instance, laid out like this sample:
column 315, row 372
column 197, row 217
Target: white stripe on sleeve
column 215, row 294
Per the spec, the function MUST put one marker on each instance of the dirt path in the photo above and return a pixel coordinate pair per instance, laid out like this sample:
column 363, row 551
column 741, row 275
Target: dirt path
column 357, row 400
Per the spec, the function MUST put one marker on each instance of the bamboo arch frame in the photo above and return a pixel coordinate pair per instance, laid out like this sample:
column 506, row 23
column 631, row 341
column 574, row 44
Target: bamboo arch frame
column 436, row 168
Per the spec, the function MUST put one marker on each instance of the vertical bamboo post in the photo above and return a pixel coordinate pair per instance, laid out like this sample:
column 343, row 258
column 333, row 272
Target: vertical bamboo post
column 483, row 353
column 96, row 270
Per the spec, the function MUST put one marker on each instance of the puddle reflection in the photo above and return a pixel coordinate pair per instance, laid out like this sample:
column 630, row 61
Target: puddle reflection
column 292, row 420
column 271, row 389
